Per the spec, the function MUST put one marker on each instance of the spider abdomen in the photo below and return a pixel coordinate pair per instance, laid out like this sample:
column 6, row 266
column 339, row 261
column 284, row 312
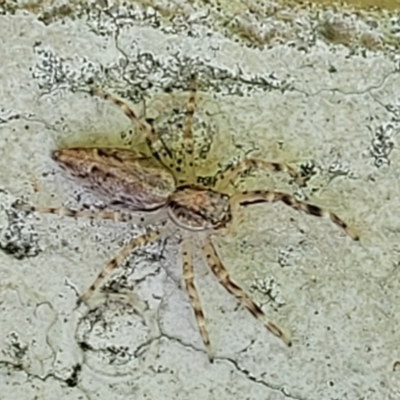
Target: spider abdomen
column 119, row 177
column 197, row 208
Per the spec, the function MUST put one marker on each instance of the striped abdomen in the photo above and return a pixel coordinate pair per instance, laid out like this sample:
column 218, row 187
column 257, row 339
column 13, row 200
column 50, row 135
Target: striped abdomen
column 119, row 177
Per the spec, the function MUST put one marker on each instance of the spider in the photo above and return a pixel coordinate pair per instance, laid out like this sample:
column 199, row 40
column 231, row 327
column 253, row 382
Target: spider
column 133, row 184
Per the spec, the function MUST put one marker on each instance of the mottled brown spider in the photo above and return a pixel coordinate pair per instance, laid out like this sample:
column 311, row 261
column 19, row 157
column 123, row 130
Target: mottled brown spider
column 131, row 183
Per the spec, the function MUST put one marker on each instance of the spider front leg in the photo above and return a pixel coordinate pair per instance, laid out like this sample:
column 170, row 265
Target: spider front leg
column 259, row 196
column 222, row 275
column 194, row 298
column 157, row 147
column 132, row 245
column 229, row 176
column 187, row 132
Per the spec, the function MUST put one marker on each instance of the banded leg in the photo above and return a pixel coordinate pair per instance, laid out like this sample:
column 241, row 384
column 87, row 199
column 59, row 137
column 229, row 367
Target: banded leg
column 132, row 245
column 222, row 275
column 187, row 132
column 260, row 196
column 67, row 212
column 159, row 151
column 188, row 277
column 231, row 174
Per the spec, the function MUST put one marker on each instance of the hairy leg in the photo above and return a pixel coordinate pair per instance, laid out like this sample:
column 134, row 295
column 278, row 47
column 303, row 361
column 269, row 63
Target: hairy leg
column 68, row 212
column 159, row 151
column 229, row 176
column 223, row 278
column 260, row 196
column 188, row 134
column 194, row 298
column 132, row 245
column 139, row 241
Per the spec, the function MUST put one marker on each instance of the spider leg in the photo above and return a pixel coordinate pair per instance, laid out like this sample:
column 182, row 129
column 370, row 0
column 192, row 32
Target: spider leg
column 222, row 275
column 188, row 277
column 227, row 177
column 187, row 131
column 259, row 196
column 68, row 212
column 139, row 241
column 123, row 253
column 159, row 151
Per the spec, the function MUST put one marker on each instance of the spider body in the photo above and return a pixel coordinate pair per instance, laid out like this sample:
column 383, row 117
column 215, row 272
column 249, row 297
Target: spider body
column 132, row 182
column 129, row 183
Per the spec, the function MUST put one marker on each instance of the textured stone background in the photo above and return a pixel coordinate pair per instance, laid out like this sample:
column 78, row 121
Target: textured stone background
column 316, row 87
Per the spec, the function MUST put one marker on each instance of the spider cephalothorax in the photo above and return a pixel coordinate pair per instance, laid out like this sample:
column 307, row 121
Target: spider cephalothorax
column 195, row 208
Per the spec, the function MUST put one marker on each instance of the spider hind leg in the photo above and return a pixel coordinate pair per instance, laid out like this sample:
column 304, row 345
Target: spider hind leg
column 116, row 261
